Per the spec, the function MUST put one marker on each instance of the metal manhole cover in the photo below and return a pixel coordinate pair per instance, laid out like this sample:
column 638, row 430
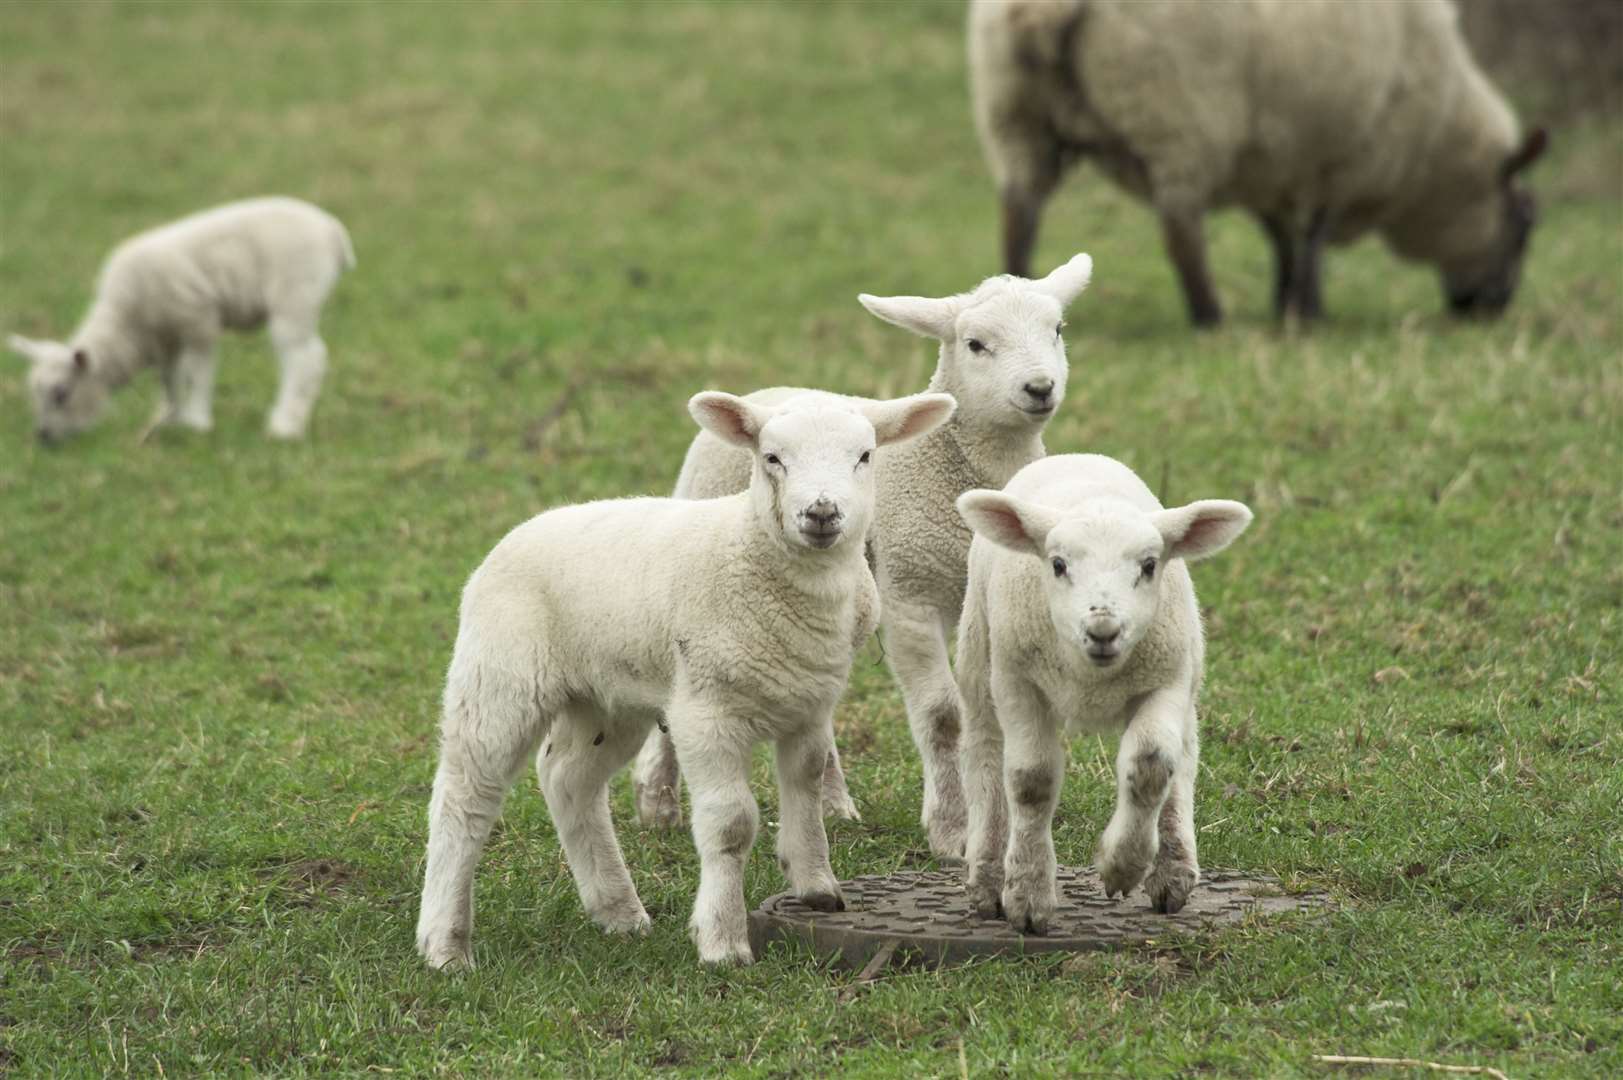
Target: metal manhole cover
column 926, row 913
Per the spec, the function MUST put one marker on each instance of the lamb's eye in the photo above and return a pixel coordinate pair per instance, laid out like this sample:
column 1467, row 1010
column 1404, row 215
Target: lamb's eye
column 772, row 459
column 867, row 455
column 1148, row 567
column 975, row 345
column 1059, row 566
column 59, row 396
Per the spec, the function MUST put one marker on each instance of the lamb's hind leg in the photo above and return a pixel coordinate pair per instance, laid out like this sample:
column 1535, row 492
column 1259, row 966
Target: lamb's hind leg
column 303, row 359
column 656, row 783
column 917, row 648
column 584, row 749
column 491, row 726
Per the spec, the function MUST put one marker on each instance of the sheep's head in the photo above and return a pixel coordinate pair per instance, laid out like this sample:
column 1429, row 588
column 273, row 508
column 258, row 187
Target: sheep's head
column 1481, row 277
column 1002, row 351
column 1105, row 560
column 62, row 383
column 813, row 474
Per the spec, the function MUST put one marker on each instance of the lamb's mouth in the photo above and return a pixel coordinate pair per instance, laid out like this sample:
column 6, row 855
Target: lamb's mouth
column 1039, row 411
column 1103, row 657
column 821, row 538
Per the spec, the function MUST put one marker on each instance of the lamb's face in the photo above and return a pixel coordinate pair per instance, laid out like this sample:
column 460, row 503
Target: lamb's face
column 818, row 465
column 1104, row 581
column 1003, row 353
column 1006, row 360
column 1103, row 560
column 66, row 395
column 813, row 475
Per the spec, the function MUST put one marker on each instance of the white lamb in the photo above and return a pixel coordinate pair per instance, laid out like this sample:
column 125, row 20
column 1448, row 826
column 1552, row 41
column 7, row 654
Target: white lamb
column 1081, row 617
column 165, row 295
column 1003, row 358
column 737, row 617
column 1326, row 119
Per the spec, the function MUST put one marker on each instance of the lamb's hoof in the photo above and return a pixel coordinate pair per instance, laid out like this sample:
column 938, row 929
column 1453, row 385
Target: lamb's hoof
column 719, row 949
column 819, row 900
column 1028, row 912
column 985, row 898
column 283, row 431
column 1120, row 877
column 448, row 955
column 840, row 806
column 1169, row 886
column 658, row 808
column 949, row 839
column 623, row 920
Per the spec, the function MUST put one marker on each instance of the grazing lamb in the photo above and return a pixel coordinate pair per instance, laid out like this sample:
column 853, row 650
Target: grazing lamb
column 1325, row 119
column 1081, row 617
column 165, row 295
column 738, row 617
column 1003, row 358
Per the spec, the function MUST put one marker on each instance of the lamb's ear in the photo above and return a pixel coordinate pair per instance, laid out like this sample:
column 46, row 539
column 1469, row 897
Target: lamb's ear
column 908, row 417
column 920, row 314
column 27, row 348
column 81, row 361
column 729, row 418
column 1066, row 283
column 1003, row 519
column 1531, row 149
column 1202, row 528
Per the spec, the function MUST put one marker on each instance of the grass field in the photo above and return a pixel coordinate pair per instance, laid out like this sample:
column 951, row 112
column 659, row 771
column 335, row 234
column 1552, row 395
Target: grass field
column 220, row 657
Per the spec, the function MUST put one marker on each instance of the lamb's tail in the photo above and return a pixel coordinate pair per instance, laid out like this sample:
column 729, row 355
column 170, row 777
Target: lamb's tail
column 346, row 250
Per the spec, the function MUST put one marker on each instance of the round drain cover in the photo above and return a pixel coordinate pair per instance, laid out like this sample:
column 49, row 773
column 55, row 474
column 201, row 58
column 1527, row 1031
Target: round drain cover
column 926, row 913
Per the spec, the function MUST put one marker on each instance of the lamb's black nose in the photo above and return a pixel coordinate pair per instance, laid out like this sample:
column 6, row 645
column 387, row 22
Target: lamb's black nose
column 1039, row 389
column 823, row 514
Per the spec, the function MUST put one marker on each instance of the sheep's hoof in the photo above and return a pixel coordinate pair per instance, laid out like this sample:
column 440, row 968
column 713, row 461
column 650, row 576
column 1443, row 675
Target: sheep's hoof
column 1028, row 913
column 985, row 899
column 658, row 808
column 840, row 806
column 721, row 950
column 451, row 957
column 823, row 901
column 623, row 920
column 1169, row 886
column 948, row 839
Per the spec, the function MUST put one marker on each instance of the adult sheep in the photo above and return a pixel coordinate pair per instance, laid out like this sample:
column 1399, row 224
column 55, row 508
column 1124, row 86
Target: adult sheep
column 1003, row 358
column 1326, row 119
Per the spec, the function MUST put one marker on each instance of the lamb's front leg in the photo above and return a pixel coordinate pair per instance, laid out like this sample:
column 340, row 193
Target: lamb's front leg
column 1151, row 749
column 715, row 758
column 916, row 645
column 802, row 841
column 988, row 836
column 1033, row 769
column 1177, row 870
column 193, row 397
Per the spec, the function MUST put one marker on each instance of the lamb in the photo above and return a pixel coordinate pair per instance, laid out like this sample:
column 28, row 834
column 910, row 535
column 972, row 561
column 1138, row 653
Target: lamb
column 165, row 295
column 737, row 617
column 1003, row 358
column 1324, row 119
column 1081, row 617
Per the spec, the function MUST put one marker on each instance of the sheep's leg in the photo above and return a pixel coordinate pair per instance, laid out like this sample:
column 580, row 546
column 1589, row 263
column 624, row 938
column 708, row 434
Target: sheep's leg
column 1031, row 167
column 836, row 797
column 1280, row 239
column 916, row 646
column 656, row 783
column 192, row 397
column 802, row 842
column 1186, row 244
column 303, row 359
column 714, row 753
column 492, row 724
column 988, row 838
column 1151, row 750
column 1033, row 768
column 1022, row 212
column 583, row 750
column 1310, row 267
column 1177, row 871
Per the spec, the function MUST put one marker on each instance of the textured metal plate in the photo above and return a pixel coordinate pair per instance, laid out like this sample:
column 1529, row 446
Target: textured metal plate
column 928, row 916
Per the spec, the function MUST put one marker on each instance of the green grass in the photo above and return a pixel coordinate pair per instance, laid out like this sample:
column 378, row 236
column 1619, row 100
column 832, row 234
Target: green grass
column 220, row 658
